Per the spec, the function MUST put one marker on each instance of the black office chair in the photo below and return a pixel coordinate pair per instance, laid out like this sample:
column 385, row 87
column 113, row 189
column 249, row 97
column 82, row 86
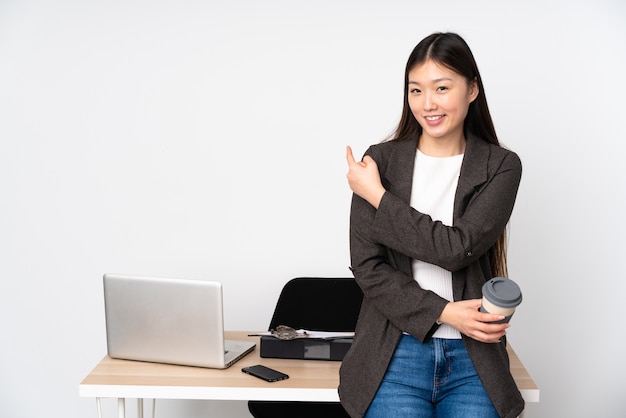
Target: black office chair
column 320, row 304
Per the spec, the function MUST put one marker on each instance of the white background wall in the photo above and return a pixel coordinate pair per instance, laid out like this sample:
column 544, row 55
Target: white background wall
column 206, row 139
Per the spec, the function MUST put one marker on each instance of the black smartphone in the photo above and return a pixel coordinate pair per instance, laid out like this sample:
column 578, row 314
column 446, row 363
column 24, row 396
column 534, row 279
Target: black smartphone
column 265, row 373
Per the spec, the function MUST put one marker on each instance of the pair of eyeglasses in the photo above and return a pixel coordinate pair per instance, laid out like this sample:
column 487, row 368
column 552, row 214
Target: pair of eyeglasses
column 283, row 332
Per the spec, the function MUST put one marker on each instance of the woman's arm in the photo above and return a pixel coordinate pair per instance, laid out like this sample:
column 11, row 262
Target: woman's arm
column 399, row 297
column 384, row 281
column 364, row 178
column 399, row 226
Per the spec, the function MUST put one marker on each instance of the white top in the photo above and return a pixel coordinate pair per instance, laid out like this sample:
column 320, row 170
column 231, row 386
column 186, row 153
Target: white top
column 434, row 185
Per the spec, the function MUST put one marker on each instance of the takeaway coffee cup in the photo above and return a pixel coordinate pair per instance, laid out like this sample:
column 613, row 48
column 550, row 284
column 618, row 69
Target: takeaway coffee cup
column 501, row 296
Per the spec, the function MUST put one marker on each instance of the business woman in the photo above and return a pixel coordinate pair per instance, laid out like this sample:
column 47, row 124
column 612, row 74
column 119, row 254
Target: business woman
column 427, row 230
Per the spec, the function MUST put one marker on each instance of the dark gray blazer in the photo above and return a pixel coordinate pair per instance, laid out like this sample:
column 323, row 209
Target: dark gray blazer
column 382, row 244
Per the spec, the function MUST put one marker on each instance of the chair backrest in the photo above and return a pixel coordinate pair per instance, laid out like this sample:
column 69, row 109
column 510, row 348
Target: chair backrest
column 319, row 304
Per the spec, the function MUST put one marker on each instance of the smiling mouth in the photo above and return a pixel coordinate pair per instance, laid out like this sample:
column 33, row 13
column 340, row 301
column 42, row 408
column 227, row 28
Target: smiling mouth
column 433, row 118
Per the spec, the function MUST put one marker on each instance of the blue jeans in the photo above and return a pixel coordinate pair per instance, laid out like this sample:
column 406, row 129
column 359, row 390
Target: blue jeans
column 428, row 380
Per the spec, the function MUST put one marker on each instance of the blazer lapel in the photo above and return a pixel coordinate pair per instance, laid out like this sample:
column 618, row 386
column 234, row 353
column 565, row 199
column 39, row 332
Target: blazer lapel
column 398, row 176
column 473, row 176
column 473, row 173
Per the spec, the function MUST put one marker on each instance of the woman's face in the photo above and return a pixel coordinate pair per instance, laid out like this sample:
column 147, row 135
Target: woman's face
column 439, row 99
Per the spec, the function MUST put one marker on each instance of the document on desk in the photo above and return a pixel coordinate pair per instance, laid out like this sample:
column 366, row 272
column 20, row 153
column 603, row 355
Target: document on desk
column 326, row 335
column 304, row 333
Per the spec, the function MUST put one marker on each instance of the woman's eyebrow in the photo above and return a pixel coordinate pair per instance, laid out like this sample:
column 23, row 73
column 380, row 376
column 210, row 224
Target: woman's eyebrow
column 436, row 80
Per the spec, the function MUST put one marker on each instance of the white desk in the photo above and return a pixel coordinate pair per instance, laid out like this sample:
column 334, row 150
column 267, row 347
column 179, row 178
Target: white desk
column 309, row 380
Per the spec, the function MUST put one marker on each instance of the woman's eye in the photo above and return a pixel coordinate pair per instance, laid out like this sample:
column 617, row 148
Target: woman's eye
column 415, row 91
column 442, row 88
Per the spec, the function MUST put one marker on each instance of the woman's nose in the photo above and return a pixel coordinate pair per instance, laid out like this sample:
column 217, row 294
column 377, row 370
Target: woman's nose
column 429, row 102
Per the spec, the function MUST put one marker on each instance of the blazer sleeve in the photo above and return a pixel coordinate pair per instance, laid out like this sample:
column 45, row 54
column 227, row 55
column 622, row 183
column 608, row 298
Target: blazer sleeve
column 399, row 226
column 394, row 293
column 381, row 240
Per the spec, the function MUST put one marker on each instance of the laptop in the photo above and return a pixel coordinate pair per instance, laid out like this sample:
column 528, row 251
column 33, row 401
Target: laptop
column 166, row 320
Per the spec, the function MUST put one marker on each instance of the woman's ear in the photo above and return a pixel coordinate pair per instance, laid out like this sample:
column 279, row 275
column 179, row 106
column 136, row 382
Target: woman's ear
column 473, row 90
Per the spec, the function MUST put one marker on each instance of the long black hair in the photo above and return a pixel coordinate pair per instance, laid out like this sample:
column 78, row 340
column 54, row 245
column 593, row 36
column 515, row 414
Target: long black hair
column 452, row 52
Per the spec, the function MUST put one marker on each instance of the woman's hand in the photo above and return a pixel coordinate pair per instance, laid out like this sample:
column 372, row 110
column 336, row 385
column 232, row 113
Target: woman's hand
column 364, row 178
column 465, row 317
